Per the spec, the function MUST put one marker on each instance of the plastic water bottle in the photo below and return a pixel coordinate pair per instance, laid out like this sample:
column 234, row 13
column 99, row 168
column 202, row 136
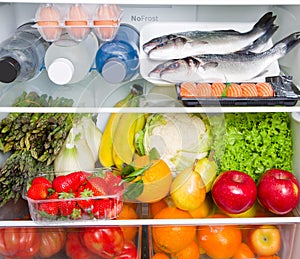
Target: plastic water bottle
column 118, row 60
column 68, row 61
column 22, row 55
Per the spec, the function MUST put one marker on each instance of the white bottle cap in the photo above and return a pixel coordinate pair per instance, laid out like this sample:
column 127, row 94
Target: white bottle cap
column 61, row 71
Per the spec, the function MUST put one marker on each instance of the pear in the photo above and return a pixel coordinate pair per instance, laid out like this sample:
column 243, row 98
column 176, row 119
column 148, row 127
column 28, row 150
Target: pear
column 207, row 168
column 188, row 190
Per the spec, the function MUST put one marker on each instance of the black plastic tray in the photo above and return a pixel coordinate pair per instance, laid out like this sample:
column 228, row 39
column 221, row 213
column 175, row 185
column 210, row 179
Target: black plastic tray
column 286, row 93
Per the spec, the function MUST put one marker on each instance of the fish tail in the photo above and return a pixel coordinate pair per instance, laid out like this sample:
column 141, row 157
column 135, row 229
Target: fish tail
column 266, row 36
column 261, row 40
column 265, row 22
column 287, row 44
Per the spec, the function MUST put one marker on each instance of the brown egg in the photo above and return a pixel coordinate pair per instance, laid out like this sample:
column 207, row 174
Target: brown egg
column 48, row 18
column 77, row 23
column 107, row 20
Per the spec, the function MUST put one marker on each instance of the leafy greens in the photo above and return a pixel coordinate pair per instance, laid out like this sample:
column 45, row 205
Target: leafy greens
column 252, row 142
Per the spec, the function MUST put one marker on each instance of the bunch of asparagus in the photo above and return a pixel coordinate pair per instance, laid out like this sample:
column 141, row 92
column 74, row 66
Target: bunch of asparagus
column 33, row 139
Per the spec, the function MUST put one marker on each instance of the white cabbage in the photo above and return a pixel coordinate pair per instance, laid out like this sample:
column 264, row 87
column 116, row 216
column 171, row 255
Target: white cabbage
column 178, row 138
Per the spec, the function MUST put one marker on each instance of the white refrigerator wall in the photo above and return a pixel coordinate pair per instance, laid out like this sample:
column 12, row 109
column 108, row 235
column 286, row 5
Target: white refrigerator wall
column 14, row 14
column 288, row 19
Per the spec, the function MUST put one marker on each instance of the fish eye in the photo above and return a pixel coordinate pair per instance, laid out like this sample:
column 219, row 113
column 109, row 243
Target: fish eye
column 156, row 40
column 174, row 65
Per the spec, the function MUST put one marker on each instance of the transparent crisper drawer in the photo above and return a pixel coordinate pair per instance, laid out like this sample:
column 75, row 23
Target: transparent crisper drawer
column 60, row 242
column 229, row 241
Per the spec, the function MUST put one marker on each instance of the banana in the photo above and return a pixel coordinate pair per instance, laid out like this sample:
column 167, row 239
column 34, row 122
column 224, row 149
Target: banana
column 106, row 145
column 140, row 123
column 123, row 139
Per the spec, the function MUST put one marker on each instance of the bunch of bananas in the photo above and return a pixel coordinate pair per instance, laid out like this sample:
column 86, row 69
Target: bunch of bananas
column 117, row 145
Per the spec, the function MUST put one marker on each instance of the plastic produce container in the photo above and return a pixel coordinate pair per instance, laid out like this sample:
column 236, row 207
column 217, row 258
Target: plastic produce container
column 104, row 202
column 56, row 242
column 286, row 236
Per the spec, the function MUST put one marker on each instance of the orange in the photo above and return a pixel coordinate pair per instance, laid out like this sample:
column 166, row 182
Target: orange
column 243, row 252
column 172, row 239
column 156, row 249
column 157, row 206
column 203, row 211
column 160, row 256
column 189, row 252
column 219, row 242
column 157, row 179
column 268, row 257
column 128, row 212
column 132, row 204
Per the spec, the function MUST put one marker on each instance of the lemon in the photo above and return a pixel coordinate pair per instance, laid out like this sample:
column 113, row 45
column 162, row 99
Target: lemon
column 208, row 171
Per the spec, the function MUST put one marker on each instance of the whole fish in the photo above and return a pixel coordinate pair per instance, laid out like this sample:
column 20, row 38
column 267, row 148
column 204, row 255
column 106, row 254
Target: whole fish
column 232, row 67
column 190, row 43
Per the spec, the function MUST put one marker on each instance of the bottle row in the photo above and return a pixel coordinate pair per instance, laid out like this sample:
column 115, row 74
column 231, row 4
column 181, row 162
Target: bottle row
column 26, row 53
column 78, row 20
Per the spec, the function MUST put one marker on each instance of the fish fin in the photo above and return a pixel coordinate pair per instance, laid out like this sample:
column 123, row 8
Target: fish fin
column 261, row 74
column 209, row 65
column 196, row 43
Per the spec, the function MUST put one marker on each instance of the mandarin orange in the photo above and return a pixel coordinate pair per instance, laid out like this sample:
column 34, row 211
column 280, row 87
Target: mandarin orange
column 156, row 207
column 191, row 251
column 173, row 238
column 160, row 256
column 268, row 257
column 243, row 252
column 128, row 212
column 219, row 241
column 157, row 179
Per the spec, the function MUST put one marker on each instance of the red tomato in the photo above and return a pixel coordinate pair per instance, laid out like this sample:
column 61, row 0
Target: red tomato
column 19, row 242
column 52, row 241
column 129, row 251
column 106, row 242
column 75, row 249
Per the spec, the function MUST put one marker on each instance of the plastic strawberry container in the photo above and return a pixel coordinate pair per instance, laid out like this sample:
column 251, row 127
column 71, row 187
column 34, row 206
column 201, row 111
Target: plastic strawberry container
column 103, row 199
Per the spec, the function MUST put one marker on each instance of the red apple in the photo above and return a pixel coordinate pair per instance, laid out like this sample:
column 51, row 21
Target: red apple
column 234, row 192
column 278, row 191
column 264, row 240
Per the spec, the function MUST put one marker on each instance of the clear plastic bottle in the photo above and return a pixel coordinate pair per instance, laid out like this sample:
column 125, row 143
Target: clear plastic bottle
column 68, row 61
column 22, row 55
column 118, row 60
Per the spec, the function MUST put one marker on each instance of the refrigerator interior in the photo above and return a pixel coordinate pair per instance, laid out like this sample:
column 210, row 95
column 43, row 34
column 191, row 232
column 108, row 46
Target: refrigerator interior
column 95, row 93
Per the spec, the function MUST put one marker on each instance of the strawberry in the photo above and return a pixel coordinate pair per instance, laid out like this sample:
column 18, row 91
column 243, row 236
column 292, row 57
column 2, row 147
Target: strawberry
column 70, row 182
column 76, row 213
column 62, row 184
column 42, row 179
column 53, row 196
column 107, row 208
column 85, row 204
column 97, row 185
column 50, row 208
column 102, row 208
column 113, row 183
column 66, row 207
column 78, row 178
column 38, row 191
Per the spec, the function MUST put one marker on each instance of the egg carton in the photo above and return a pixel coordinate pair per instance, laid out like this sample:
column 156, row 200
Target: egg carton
column 78, row 20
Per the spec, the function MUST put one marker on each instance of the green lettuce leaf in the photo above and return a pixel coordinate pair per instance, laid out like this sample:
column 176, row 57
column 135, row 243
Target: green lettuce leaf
column 252, row 142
